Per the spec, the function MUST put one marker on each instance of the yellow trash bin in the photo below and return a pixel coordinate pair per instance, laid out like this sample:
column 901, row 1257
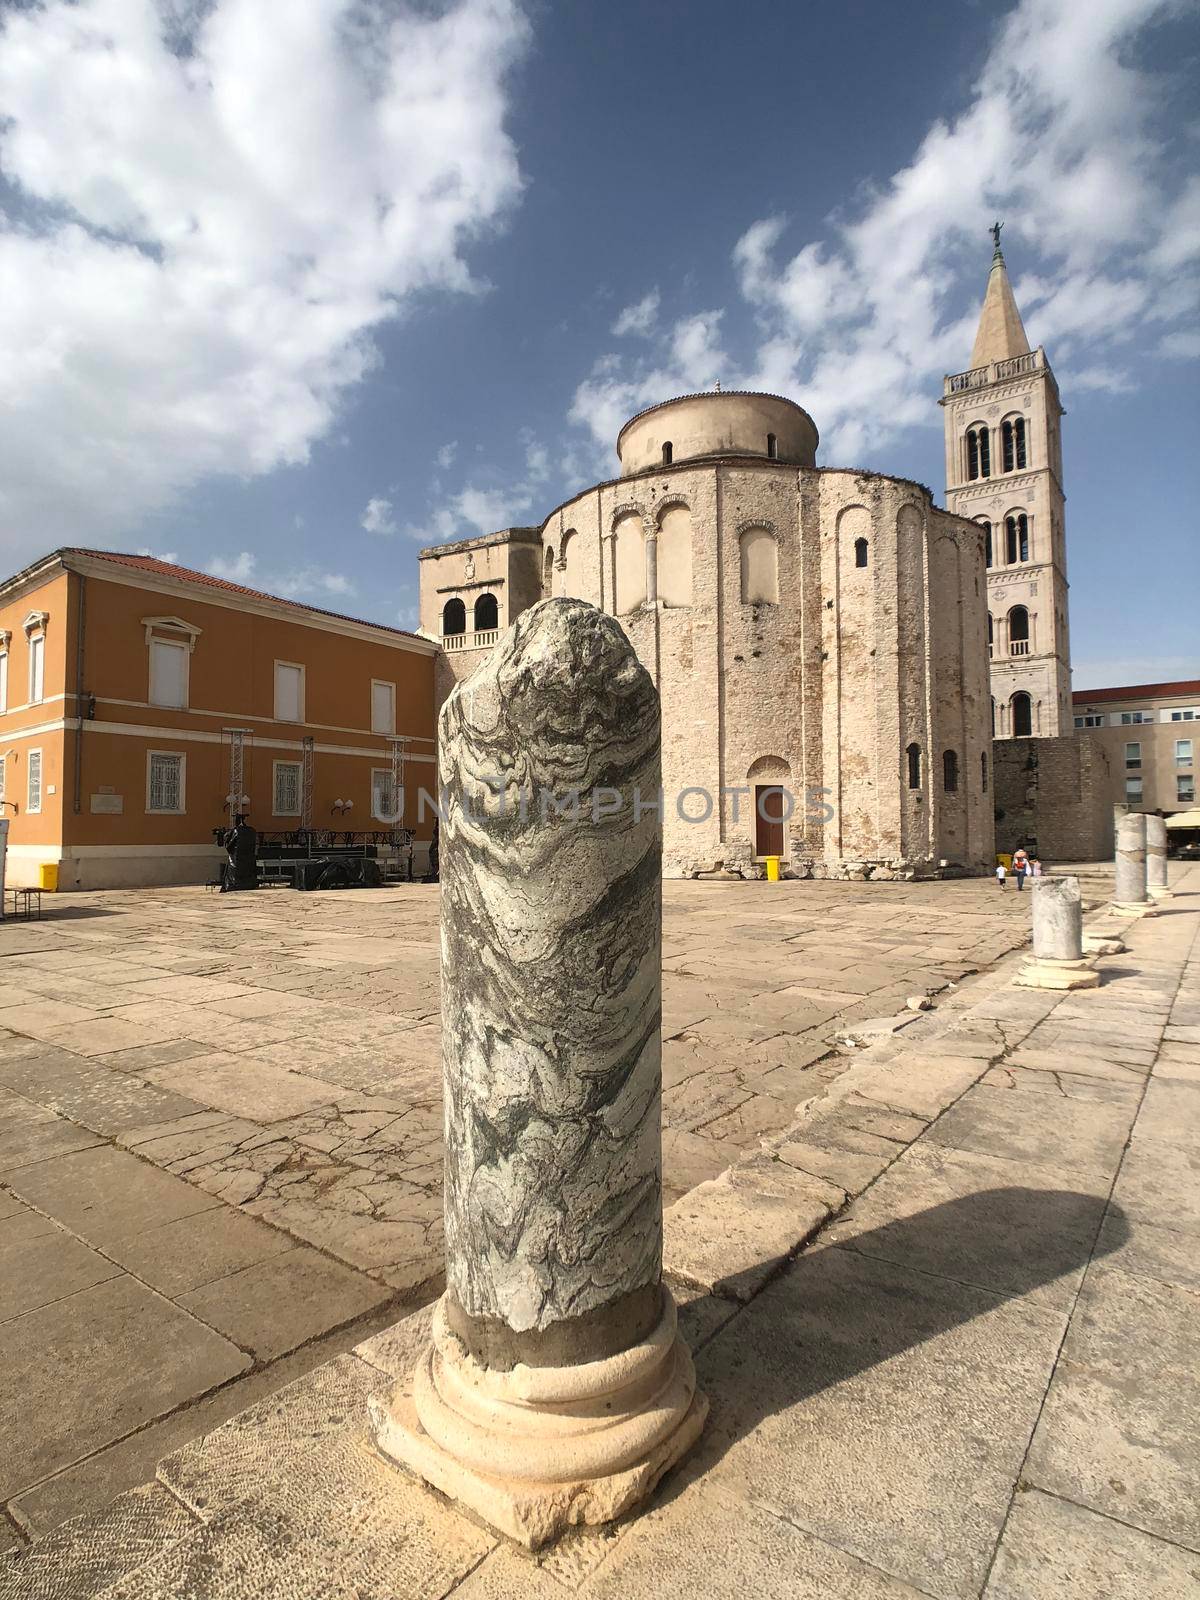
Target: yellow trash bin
column 772, row 869
column 1005, row 861
column 48, row 875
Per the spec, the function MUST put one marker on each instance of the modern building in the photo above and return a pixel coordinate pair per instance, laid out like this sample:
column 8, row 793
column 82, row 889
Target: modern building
column 817, row 636
column 1151, row 735
column 1004, row 470
column 142, row 705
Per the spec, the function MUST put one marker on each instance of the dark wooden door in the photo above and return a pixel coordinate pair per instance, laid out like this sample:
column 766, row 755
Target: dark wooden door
column 768, row 820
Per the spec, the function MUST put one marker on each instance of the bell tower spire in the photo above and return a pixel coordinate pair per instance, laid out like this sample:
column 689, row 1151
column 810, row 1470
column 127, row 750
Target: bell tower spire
column 1001, row 333
column 1004, row 471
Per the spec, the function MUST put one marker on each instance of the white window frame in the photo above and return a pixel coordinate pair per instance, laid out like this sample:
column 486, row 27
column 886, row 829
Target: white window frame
column 37, row 660
column 386, row 774
column 1135, row 787
column 299, row 667
column 3, row 681
column 1184, row 716
column 383, row 683
column 162, row 811
column 275, row 808
column 3, row 775
column 1183, row 753
column 1133, row 755
column 30, row 808
column 1182, row 799
column 186, row 651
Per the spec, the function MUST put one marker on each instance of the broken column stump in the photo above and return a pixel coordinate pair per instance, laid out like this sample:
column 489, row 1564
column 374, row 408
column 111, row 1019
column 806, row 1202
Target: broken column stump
column 1058, row 959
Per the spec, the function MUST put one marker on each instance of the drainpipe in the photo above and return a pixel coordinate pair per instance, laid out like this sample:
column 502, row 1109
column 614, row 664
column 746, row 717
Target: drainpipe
column 80, row 698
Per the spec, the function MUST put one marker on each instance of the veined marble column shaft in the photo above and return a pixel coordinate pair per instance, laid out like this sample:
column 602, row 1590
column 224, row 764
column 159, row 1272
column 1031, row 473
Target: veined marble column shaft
column 557, row 1389
column 1129, row 828
column 1156, row 857
column 1058, row 959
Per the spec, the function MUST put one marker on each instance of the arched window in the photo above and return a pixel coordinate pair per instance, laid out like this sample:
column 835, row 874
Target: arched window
column 983, row 758
column 985, row 453
column 674, row 566
column 772, row 447
column 860, row 552
column 1018, row 631
column 454, row 618
column 993, row 716
column 1022, row 715
column 914, row 766
column 987, row 543
column 991, row 632
column 972, row 454
column 1016, row 538
column 487, row 613
column 668, row 452
column 548, row 573
column 760, row 567
column 1019, row 440
column 950, row 771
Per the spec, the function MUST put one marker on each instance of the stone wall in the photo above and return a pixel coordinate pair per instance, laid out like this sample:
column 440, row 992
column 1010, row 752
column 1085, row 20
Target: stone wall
column 1054, row 797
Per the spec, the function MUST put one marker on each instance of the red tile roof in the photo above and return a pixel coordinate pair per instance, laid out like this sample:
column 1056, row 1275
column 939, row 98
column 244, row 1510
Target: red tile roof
column 209, row 581
column 1139, row 691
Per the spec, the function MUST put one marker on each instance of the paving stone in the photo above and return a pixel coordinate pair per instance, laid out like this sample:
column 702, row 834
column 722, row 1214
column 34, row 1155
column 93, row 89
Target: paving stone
column 264, row 1094
column 1171, row 1112
column 275, row 1305
column 1066, row 1085
column 1053, row 1550
column 198, row 1249
column 19, row 1224
column 106, row 1194
column 144, row 1057
column 920, row 1084
column 1071, row 1136
column 47, row 1268
column 86, row 1555
column 881, row 1410
column 104, row 1034
column 732, row 1234
column 117, row 1340
column 30, row 1135
column 1011, row 1228
column 1111, row 1437
column 703, row 1543
column 1159, row 1181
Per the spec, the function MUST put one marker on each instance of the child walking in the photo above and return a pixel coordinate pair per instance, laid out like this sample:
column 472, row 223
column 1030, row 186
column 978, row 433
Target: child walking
column 1000, row 873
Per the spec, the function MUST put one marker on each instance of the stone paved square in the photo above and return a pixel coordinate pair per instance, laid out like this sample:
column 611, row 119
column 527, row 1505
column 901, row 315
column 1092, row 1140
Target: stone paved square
column 233, row 1104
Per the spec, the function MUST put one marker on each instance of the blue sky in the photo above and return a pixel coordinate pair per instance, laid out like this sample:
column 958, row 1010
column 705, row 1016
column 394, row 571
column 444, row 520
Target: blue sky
column 286, row 292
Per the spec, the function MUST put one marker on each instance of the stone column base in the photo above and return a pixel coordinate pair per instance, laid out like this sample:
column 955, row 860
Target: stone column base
column 1140, row 908
column 1102, row 944
column 537, row 1450
column 1057, row 975
column 1161, row 894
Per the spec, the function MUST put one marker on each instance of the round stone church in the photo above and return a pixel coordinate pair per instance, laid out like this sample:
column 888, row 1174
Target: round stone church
column 818, row 638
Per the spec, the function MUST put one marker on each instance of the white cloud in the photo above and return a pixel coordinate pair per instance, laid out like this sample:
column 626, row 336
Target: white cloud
column 1062, row 134
column 304, row 582
column 200, row 249
column 378, row 518
column 446, row 455
column 171, row 557
column 638, row 318
column 1114, row 671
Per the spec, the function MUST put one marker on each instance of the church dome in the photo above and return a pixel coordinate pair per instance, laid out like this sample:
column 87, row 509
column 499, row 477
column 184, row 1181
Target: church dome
column 717, row 423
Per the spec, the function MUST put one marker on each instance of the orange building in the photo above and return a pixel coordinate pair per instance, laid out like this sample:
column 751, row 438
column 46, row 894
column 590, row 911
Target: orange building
column 142, row 705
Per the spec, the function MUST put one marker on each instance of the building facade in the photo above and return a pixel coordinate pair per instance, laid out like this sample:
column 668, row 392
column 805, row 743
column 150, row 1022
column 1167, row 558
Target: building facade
column 817, row 637
column 1004, row 470
column 142, row 705
column 1150, row 733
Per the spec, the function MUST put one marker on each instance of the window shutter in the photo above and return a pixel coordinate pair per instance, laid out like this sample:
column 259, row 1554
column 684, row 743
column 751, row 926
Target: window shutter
column 166, row 772
column 34, row 796
column 168, row 673
column 383, row 708
column 287, row 692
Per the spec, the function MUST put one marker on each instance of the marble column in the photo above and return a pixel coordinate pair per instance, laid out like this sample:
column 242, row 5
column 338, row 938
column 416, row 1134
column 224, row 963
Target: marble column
column 556, row 1389
column 1058, row 959
column 1129, row 893
column 1156, row 857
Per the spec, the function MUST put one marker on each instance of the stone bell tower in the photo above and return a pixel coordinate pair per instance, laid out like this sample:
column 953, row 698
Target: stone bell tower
column 1004, row 470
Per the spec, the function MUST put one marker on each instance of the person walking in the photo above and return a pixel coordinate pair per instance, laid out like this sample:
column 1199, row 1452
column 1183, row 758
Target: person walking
column 1000, row 873
column 1020, row 867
